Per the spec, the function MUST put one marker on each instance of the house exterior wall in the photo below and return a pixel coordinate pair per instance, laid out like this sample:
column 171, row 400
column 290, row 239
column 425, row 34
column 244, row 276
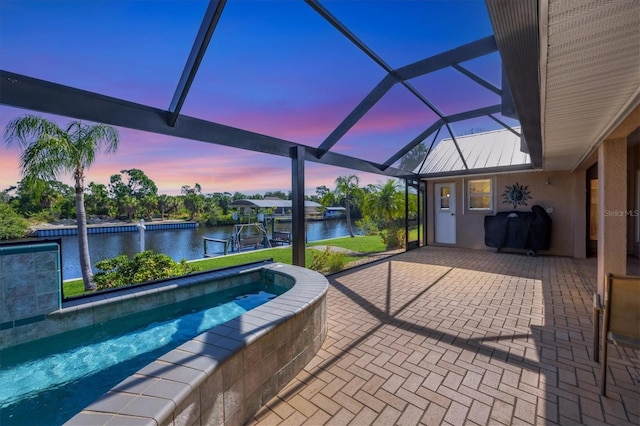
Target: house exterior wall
column 612, row 209
column 564, row 192
column 633, row 199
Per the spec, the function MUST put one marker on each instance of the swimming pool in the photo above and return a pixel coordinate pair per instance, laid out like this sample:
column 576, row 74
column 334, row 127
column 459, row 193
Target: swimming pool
column 223, row 375
column 48, row 381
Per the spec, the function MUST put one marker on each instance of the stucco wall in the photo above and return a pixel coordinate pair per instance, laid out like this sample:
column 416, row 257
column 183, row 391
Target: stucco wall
column 633, row 199
column 564, row 192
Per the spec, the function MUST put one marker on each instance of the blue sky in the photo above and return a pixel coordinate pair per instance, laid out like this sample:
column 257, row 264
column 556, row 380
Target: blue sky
column 274, row 67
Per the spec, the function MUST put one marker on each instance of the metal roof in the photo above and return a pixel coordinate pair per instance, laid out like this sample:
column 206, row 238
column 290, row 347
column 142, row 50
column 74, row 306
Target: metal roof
column 481, row 151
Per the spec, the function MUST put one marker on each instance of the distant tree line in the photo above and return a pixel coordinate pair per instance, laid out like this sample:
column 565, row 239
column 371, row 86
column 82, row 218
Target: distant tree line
column 132, row 195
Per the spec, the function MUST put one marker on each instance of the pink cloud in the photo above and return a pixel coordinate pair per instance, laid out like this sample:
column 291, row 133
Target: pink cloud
column 215, row 168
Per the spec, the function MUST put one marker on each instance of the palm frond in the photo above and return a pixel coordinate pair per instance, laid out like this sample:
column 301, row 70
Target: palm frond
column 45, row 158
column 90, row 139
column 27, row 129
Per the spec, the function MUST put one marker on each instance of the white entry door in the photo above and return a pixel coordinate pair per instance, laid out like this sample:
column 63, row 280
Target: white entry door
column 445, row 217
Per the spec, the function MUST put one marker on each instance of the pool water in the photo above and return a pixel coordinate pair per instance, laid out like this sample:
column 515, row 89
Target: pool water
column 80, row 366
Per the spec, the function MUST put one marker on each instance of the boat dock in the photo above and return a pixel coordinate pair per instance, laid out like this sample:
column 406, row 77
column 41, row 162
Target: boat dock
column 61, row 231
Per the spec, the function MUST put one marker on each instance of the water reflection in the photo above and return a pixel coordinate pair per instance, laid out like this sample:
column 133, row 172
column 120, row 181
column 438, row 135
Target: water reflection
column 177, row 243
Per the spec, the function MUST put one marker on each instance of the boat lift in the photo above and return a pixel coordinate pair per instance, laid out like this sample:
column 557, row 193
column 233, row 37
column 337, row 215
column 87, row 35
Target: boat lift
column 251, row 231
column 258, row 238
column 242, row 238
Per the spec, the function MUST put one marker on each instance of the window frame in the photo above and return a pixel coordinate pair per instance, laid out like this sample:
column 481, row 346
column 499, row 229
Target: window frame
column 468, row 196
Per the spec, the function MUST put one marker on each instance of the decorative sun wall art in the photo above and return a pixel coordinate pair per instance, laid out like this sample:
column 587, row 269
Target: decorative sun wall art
column 516, row 194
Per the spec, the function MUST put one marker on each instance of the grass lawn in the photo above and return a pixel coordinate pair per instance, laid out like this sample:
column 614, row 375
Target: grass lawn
column 73, row 288
column 361, row 244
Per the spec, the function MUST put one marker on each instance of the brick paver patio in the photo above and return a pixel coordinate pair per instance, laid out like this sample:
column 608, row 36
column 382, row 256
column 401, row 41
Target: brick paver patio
column 455, row 336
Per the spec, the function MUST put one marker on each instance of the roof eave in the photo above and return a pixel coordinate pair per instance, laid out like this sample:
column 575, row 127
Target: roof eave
column 481, row 171
column 516, row 30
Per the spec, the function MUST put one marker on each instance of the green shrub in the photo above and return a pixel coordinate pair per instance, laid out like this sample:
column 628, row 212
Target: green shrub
column 368, row 226
column 393, row 238
column 12, row 225
column 336, row 262
column 319, row 260
column 328, row 261
column 216, row 218
column 144, row 267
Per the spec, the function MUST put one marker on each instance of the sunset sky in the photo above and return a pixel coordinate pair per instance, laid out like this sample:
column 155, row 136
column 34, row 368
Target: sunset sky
column 274, row 67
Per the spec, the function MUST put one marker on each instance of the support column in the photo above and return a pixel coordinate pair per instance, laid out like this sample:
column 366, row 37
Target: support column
column 297, row 211
column 406, row 215
column 612, row 209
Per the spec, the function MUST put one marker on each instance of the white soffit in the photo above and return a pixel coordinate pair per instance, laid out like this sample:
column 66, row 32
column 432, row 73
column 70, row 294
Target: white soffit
column 592, row 74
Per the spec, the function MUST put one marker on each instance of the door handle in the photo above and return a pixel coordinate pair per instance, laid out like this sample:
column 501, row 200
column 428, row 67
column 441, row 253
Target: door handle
column 453, row 214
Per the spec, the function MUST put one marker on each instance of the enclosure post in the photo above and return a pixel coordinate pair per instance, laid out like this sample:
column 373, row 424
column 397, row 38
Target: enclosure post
column 406, row 215
column 297, row 204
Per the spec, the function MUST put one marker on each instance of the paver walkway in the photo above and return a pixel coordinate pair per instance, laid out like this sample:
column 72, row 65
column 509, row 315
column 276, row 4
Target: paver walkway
column 455, row 336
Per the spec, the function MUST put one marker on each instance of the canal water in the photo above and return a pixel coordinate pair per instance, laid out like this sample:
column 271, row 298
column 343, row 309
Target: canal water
column 177, row 244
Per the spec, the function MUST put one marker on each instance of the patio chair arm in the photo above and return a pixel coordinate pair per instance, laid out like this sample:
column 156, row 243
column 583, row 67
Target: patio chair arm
column 596, row 302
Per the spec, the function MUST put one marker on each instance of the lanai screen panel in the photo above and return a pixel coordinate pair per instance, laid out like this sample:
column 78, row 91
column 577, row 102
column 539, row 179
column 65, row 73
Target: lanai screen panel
column 424, row 30
column 412, row 161
column 278, row 68
column 403, row 32
column 132, row 50
column 478, row 152
column 170, row 162
column 482, row 124
column 487, row 67
column 393, row 122
column 481, row 150
column 452, row 92
column 173, row 162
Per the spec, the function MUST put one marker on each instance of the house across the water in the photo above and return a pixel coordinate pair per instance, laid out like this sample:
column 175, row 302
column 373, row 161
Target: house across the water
column 334, row 212
column 272, row 207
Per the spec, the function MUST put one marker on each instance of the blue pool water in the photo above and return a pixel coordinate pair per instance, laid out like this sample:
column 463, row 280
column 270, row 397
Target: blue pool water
column 37, row 388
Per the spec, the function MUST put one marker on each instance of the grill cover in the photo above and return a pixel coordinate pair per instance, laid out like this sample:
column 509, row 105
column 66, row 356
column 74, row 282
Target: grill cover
column 517, row 229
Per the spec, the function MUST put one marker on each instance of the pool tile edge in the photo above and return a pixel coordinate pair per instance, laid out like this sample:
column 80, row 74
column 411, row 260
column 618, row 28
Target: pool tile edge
column 250, row 359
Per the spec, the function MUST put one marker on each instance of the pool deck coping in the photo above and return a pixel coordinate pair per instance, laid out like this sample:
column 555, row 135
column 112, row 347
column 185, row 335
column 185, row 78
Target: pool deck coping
column 135, row 291
column 152, row 394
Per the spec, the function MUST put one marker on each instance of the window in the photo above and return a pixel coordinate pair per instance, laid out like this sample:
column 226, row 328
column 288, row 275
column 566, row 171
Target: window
column 479, row 195
column 445, row 195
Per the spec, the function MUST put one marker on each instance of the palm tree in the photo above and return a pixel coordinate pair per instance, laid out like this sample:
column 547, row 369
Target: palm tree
column 385, row 203
column 389, row 201
column 164, row 202
column 346, row 187
column 48, row 151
